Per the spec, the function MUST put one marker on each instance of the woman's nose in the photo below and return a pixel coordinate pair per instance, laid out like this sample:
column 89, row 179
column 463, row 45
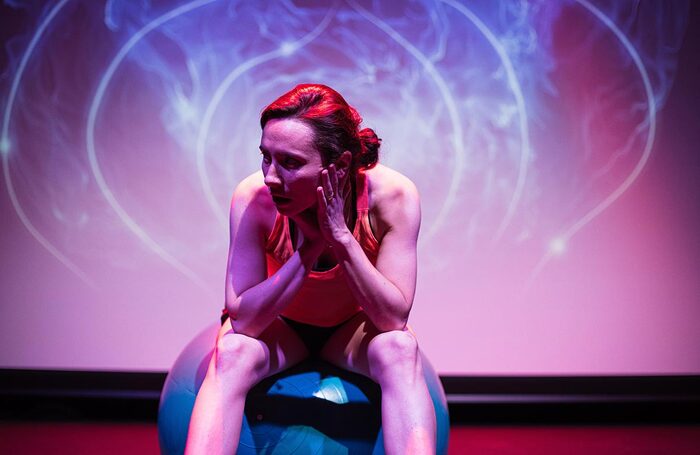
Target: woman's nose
column 272, row 179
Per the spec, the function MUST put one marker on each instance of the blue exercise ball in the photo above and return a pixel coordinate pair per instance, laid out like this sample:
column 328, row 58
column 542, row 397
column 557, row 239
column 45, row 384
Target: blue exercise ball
column 311, row 408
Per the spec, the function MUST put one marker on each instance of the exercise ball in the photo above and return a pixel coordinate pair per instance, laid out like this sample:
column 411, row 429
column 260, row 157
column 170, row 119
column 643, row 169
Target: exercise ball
column 311, row 408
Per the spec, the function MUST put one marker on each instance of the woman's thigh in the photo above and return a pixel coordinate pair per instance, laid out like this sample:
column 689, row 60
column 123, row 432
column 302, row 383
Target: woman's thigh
column 277, row 348
column 348, row 347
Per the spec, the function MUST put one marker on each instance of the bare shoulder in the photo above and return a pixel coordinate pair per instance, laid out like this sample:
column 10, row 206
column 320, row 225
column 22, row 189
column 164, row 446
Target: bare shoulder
column 385, row 181
column 251, row 197
column 393, row 199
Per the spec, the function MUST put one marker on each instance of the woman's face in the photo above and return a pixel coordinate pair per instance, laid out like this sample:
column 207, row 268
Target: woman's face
column 291, row 165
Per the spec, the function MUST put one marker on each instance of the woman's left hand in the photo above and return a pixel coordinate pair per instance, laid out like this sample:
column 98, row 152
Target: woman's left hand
column 331, row 206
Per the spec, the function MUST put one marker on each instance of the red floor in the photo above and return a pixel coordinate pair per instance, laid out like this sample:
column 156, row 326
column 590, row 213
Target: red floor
column 574, row 440
column 136, row 439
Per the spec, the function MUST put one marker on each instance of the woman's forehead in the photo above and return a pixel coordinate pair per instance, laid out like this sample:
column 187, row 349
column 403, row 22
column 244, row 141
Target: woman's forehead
column 287, row 135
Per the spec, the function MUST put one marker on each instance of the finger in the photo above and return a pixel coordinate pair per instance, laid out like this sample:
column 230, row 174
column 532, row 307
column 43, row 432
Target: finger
column 333, row 174
column 322, row 202
column 326, row 180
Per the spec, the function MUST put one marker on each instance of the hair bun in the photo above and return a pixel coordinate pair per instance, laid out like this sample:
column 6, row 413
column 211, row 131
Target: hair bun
column 370, row 148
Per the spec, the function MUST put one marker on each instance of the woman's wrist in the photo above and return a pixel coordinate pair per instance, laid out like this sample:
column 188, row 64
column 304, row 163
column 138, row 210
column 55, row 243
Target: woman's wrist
column 341, row 240
column 310, row 250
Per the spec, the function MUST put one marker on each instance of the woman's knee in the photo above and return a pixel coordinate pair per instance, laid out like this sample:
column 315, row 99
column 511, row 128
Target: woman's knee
column 396, row 350
column 236, row 354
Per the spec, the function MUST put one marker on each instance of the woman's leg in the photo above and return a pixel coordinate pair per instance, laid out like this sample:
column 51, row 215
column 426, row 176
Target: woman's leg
column 239, row 362
column 393, row 361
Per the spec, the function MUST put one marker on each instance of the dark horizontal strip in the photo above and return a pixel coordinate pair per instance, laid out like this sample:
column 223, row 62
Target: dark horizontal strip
column 17, row 381
column 657, row 385
column 83, row 393
column 77, row 408
column 576, row 413
column 552, row 398
column 87, row 395
column 113, row 383
column 46, row 381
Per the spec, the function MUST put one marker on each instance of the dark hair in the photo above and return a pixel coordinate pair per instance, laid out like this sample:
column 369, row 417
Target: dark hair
column 335, row 123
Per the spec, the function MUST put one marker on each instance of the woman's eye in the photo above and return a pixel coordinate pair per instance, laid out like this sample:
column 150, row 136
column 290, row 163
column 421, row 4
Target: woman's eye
column 291, row 162
column 265, row 158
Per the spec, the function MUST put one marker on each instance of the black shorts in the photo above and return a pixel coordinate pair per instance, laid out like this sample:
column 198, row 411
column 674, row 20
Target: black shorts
column 314, row 337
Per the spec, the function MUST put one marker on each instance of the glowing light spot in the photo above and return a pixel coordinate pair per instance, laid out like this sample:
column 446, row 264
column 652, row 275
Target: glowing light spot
column 4, row 145
column 288, row 48
column 185, row 109
column 557, row 246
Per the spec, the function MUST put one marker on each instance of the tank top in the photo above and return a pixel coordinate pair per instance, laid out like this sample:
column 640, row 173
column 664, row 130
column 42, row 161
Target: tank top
column 325, row 298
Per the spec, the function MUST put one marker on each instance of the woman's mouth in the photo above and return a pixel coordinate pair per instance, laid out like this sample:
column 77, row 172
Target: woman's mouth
column 280, row 200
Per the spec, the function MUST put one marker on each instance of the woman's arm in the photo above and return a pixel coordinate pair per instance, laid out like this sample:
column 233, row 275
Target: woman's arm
column 253, row 300
column 384, row 291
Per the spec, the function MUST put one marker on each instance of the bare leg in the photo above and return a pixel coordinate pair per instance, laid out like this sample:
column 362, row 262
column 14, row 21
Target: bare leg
column 393, row 361
column 239, row 362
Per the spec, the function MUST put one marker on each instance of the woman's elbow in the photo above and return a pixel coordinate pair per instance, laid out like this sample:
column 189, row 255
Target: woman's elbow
column 396, row 321
column 232, row 303
column 238, row 323
column 243, row 327
column 391, row 325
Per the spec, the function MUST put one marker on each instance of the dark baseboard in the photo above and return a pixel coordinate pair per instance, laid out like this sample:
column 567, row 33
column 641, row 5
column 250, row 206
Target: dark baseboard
column 79, row 395
column 591, row 400
column 125, row 396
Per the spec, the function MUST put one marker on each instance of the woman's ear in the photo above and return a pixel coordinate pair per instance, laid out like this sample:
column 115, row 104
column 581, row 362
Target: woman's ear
column 342, row 164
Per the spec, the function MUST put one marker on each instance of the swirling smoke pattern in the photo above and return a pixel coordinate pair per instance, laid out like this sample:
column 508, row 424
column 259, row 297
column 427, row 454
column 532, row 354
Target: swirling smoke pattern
column 526, row 125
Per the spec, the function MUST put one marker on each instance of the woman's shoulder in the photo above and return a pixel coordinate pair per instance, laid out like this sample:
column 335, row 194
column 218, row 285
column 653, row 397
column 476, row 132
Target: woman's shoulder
column 388, row 186
column 393, row 199
column 252, row 197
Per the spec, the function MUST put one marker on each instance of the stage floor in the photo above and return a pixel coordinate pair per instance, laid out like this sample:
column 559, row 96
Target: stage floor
column 141, row 438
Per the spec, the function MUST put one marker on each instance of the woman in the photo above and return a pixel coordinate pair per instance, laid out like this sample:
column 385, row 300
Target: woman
column 322, row 261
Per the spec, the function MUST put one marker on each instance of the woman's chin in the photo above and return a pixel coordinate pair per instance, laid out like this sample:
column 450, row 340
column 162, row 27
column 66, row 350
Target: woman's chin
column 288, row 210
column 296, row 212
column 293, row 208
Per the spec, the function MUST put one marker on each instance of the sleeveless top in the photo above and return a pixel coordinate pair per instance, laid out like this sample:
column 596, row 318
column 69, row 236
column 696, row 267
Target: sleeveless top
column 324, row 298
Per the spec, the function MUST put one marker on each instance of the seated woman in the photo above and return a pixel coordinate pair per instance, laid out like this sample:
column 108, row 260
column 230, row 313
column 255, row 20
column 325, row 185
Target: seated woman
column 322, row 262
